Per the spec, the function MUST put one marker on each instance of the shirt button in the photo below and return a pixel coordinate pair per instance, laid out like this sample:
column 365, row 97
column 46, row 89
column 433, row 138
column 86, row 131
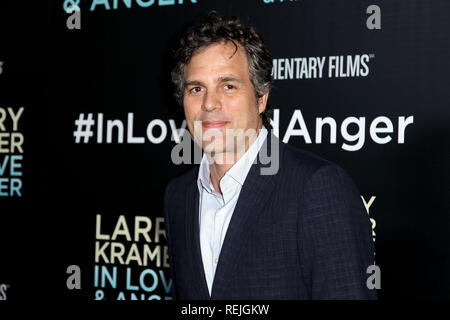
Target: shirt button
column 216, row 261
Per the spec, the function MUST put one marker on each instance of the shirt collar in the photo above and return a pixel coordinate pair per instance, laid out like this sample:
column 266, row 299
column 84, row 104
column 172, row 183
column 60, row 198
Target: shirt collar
column 238, row 171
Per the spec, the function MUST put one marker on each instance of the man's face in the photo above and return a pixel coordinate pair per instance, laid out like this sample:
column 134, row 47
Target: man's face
column 220, row 97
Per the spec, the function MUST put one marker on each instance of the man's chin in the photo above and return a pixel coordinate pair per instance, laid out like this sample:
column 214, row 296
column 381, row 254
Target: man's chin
column 212, row 150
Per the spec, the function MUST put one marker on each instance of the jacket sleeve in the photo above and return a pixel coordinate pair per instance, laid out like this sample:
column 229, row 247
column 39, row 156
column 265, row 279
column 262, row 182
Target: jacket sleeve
column 169, row 240
column 334, row 239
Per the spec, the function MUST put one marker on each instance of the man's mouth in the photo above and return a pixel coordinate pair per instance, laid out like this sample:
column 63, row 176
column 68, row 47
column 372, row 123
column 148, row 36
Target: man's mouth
column 213, row 123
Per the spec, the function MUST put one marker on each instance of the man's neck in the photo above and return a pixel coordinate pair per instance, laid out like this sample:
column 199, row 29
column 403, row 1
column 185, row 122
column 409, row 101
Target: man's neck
column 219, row 165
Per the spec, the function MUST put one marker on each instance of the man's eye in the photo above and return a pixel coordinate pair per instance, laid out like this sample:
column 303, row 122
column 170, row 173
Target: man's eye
column 229, row 87
column 196, row 90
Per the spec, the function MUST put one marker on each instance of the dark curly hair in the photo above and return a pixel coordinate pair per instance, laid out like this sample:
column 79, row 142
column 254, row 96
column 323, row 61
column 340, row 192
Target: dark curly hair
column 215, row 28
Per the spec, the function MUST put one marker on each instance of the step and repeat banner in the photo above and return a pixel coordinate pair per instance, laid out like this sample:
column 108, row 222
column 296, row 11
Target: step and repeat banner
column 88, row 122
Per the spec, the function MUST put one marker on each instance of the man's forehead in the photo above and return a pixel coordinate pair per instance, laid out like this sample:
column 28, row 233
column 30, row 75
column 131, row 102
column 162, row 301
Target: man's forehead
column 217, row 56
column 229, row 51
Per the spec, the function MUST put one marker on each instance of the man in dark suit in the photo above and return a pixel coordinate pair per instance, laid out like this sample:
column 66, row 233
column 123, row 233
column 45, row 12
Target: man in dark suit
column 236, row 228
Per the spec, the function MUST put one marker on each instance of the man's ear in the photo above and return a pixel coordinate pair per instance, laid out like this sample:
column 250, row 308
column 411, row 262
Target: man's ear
column 262, row 102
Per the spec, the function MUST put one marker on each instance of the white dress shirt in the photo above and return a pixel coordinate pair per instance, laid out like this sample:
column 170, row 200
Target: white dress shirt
column 216, row 209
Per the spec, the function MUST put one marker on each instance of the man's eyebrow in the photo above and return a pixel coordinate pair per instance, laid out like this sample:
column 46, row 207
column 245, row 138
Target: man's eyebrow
column 228, row 78
column 193, row 83
column 224, row 78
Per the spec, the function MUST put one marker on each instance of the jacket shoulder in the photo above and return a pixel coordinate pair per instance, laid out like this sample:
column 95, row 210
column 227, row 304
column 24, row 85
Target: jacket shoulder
column 311, row 169
column 179, row 184
column 304, row 165
column 299, row 158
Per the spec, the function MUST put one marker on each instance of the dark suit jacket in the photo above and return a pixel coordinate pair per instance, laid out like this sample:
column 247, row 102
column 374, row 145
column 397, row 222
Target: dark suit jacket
column 300, row 234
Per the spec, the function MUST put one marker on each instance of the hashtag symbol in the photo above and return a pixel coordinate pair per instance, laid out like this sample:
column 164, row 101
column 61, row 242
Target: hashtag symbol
column 83, row 128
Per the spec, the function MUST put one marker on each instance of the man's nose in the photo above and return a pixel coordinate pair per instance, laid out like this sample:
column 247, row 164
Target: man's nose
column 211, row 101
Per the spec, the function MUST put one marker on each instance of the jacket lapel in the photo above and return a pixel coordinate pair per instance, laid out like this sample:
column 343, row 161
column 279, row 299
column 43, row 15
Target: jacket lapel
column 255, row 192
column 193, row 241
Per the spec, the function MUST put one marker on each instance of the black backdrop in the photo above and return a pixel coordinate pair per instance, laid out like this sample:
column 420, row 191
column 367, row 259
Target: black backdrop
column 117, row 66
